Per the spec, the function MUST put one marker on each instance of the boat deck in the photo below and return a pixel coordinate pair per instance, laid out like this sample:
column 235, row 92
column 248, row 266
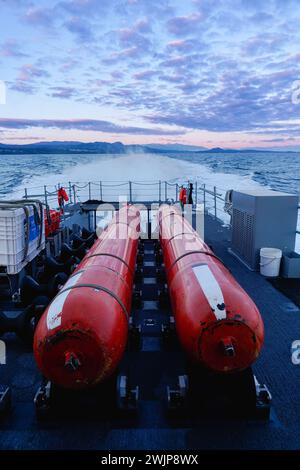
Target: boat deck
column 155, row 366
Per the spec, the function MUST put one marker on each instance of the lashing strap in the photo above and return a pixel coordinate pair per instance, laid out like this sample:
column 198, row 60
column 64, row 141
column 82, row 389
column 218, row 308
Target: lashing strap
column 112, row 256
column 98, row 287
column 195, row 252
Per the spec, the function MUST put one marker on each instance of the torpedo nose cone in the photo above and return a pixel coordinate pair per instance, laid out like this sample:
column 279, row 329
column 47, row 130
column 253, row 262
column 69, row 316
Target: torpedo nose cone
column 68, row 358
column 228, row 346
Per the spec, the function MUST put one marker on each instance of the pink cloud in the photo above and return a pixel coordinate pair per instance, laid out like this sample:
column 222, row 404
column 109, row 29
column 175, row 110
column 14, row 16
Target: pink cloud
column 143, row 26
column 174, row 61
column 180, row 44
column 181, row 25
column 39, row 16
column 29, row 71
column 144, row 75
column 294, row 58
column 11, row 49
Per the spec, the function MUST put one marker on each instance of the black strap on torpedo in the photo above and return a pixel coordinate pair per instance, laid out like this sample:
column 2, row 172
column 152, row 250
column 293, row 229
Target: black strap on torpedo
column 170, row 214
column 182, row 233
column 98, row 287
column 203, row 252
column 119, row 222
column 112, row 256
column 87, row 268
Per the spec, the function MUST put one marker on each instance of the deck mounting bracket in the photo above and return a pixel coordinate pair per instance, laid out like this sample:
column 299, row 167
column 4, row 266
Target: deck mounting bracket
column 127, row 397
column 134, row 336
column 168, row 330
column 42, row 399
column 137, row 297
column 177, row 397
column 5, row 399
column 263, row 400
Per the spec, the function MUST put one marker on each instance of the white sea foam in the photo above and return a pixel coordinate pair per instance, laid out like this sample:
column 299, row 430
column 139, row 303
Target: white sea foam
column 143, row 168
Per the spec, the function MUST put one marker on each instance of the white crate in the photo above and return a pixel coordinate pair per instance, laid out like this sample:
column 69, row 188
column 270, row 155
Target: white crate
column 13, row 230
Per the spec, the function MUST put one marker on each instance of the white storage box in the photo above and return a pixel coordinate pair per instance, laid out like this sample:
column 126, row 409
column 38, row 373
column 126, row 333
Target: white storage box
column 15, row 233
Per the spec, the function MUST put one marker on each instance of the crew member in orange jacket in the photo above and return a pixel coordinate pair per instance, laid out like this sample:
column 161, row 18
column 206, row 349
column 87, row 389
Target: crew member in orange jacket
column 182, row 197
column 62, row 197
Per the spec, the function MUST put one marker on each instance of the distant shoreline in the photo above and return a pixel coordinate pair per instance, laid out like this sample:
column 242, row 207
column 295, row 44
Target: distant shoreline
column 102, row 148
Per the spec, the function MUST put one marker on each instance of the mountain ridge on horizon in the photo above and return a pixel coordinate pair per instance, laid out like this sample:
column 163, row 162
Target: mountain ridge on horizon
column 69, row 147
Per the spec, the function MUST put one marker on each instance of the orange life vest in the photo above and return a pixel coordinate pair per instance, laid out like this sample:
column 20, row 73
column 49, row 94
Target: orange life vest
column 182, row 196
column 62, row 196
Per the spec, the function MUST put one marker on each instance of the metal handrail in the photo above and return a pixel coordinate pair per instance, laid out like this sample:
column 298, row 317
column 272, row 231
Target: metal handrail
column 160, row 191
column 164, row 190
column 210, row 197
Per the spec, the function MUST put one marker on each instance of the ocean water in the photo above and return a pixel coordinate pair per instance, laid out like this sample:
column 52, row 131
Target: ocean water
column 278, row 171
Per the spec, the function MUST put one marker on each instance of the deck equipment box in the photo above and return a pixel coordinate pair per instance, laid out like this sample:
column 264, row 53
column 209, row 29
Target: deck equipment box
column 291, row 265
column 22, row 236
column 262, row 218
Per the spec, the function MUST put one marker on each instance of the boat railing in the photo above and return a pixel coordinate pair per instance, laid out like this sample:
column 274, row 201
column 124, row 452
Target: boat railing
column 134, row 191
column 213, row 198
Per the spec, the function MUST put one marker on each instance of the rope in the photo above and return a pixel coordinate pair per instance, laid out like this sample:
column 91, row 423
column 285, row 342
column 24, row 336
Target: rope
column 141, row 183
column 114, row 185
column 81, row 187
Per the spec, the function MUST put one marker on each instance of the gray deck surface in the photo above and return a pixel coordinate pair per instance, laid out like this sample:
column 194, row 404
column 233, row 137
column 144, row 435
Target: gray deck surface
column 153, row 368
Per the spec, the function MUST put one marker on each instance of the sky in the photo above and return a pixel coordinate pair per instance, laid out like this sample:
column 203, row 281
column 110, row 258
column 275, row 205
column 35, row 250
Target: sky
column 213, row 73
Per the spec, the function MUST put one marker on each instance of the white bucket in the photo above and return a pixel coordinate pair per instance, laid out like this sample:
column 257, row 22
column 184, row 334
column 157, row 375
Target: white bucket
column 270, row 259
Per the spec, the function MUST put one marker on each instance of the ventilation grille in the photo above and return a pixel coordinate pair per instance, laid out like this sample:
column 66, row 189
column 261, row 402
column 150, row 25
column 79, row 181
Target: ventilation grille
column 242, row 235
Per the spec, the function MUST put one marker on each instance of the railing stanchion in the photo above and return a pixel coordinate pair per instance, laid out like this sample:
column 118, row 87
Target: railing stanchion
column 130, row 191
column 74, row 193
column 90, row 191
column 101, row 195
column 159, row 191
column 26, row 194
column 45, row 195
column 215, row 201
column 204, row 197
column 176, row 199
column 148, row 224
column 70, row 192
column 166, row 191
column 196, row 192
